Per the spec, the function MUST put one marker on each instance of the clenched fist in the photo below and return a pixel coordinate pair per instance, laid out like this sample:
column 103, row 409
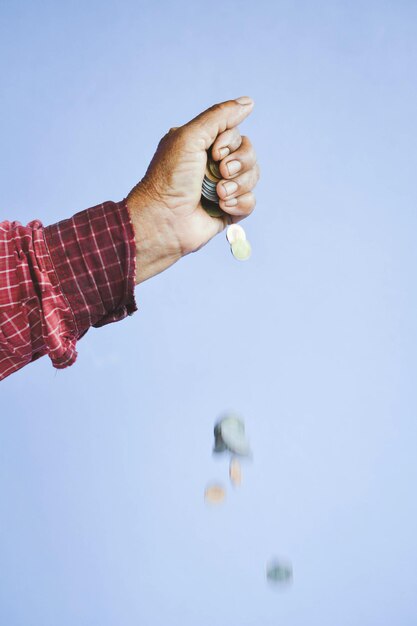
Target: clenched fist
column 165, row 207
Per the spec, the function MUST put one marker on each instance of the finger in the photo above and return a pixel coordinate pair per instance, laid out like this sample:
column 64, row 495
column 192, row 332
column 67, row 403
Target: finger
column 226, row 142
column 227, row 189
column 219, row 118
column 240, row 161
column 241, row 207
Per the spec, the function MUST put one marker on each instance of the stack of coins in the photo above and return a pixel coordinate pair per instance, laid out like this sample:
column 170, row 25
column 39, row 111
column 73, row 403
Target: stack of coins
column 236, row 236
column 239, row 245
column 209, row 197
column 210, row 180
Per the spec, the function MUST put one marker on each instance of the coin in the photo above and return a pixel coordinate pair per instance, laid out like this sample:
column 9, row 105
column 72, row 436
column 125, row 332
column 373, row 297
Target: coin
column 235, row 233
column 235, row 472
column 279, row 572
column 232, row 431
column 214, row 212
column 208, row 188
column 213, row 167
column 210, row 176
column 219, row 445
column 214, row 494
column 241, row 249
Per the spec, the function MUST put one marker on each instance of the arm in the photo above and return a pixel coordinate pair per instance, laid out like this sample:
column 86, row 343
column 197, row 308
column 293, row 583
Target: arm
column 165, row 207
column 58, row 281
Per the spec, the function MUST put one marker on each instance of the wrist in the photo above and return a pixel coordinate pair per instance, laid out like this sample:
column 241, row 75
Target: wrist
column 156, row 246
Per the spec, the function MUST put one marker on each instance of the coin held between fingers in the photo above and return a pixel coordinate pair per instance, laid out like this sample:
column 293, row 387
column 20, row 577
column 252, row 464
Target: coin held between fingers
column 235, row 232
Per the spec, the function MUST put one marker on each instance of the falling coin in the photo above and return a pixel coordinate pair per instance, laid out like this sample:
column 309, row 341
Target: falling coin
column 239, row 246
column 235, row 233
column 279, row 572
column 214, row 494
column 241, row 249
column 229, row 434
column 235, row 472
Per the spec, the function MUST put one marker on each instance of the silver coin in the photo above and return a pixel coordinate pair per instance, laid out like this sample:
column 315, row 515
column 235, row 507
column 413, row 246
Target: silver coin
column 232, row 435
column 208, row 190
column 210, row 180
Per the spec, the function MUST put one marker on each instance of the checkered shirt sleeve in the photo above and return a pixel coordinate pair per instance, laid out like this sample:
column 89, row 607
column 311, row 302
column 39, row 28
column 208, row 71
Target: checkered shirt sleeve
column 57, row 282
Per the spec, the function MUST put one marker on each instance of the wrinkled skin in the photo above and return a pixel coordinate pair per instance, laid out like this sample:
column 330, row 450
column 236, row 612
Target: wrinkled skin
column 165, row 207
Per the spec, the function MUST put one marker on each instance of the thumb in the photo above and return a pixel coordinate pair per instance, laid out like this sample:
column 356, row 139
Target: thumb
column 218, row 118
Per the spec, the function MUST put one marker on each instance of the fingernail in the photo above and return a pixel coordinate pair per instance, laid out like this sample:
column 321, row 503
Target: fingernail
column 244, row 100
column 230, row 187
column 224, row 152
column 233, row 167
column 231, row 202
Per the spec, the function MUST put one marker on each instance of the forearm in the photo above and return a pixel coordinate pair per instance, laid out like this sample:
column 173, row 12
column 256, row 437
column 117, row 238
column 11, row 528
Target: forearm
column 58, row 281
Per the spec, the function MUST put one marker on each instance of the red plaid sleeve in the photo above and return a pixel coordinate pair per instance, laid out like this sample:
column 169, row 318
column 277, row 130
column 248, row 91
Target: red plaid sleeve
column 56, row 282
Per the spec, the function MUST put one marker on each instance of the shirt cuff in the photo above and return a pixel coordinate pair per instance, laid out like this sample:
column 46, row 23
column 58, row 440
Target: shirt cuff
column 94, row 257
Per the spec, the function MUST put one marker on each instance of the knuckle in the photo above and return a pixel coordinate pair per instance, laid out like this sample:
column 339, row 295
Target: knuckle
column 250, row 203
column 213, row 107
column 249, row 152
column 218, row 107
column 252, row 179
column 237, row 141
column 247, row 143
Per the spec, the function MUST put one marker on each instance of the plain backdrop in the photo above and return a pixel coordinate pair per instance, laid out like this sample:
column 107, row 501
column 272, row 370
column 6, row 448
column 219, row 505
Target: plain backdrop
column 103, row 466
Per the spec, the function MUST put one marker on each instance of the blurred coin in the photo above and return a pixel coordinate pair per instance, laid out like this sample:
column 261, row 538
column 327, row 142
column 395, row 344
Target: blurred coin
column 241, row 249
column 279, row 572
column 214, row 494
column 235, row 472
column 219, row 445
column 234, row 233
column 232, row 431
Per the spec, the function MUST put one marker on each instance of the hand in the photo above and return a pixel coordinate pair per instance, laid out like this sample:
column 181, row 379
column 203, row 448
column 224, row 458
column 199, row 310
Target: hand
column 165, row 207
